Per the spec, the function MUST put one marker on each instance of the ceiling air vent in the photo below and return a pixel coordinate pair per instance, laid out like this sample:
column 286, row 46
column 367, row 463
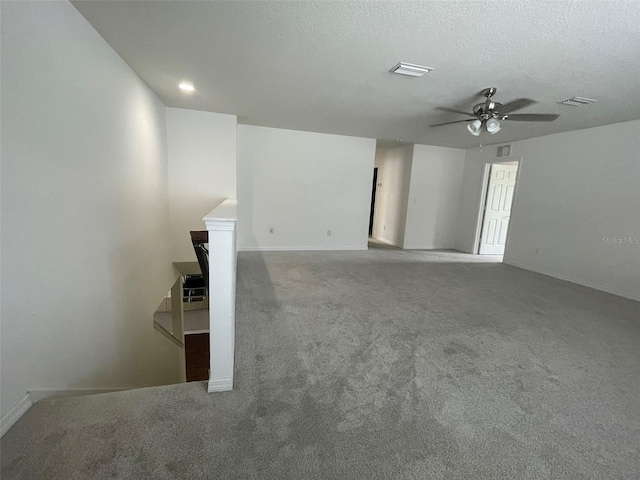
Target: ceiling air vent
column 578, row 101
column 504, row 151
column 410, row 69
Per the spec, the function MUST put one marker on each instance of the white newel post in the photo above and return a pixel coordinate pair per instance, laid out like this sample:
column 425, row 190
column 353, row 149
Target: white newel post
column 221, row 225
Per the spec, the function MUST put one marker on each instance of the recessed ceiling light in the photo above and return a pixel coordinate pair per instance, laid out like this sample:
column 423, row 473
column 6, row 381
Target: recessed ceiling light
column 187, row 87
column 410, row 69
column 578, row 101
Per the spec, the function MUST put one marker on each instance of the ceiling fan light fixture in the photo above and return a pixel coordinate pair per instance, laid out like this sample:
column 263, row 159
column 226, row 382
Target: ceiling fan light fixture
column 493, row 126
column 489, row 114
column 474, row 127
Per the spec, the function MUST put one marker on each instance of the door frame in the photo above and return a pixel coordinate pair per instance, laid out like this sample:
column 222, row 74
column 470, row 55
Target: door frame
column 483, row 198
column 372, row 210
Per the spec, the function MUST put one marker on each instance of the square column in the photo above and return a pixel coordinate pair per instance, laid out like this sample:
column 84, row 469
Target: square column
column 221, row 225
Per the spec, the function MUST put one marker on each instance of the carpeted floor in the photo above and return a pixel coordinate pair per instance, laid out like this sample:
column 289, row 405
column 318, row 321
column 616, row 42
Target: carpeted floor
column 384, row 364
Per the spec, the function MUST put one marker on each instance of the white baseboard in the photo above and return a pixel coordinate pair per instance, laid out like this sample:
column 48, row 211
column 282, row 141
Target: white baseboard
column 427, row 247
column 223, row 385
column 39, row 395
column 463, row 249
column 577, row 282
column 15, row 414
column 297, row 249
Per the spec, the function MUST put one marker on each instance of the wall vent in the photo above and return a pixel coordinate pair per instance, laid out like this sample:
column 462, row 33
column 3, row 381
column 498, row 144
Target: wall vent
column 578, row 101
column 504, row 151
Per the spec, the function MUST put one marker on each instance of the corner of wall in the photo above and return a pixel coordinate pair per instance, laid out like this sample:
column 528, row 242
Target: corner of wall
column 16, row 412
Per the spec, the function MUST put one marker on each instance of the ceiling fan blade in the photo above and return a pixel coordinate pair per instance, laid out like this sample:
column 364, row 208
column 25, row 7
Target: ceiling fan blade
column 517, row 104
column 453, row 110
column 532, row 117
column 449, row 123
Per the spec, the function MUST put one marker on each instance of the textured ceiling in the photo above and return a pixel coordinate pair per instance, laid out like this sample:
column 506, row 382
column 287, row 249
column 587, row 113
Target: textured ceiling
column 323, row 66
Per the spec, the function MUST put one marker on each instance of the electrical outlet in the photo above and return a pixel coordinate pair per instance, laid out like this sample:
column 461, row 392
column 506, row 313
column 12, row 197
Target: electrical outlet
column 328, row 233
column 271, row 230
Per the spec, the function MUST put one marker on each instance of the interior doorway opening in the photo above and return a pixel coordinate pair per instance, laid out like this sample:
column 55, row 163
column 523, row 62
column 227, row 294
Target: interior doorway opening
column 499, row 187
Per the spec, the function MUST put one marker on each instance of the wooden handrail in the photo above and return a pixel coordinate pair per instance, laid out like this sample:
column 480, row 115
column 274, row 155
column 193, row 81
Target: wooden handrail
column 199, row 237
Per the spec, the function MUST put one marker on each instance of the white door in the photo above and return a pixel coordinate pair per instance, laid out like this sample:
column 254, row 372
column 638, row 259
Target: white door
column 502, row 182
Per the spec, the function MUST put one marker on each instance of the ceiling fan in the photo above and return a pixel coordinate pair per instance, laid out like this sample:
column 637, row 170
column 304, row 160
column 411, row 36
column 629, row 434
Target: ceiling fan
column 489, row 113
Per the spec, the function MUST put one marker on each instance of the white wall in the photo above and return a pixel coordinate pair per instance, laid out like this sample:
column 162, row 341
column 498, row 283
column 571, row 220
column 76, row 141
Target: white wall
column 392, row 193
column 302, row 184
column 202, row 171
column 470, row 196
column 575, row 190
column 85, row 215
column 434, row 197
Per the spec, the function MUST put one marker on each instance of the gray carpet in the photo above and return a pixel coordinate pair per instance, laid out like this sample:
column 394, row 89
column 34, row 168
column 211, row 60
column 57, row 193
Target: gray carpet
column 383, row 364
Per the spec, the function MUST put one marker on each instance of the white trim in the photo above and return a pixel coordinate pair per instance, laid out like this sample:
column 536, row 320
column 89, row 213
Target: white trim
column 475, row 248
column 483, row 199
column 571, row 280
column 195, row 332
column 39, row 395
column 388, row 242
column 15, row 414
column 221, row 225
column 222, row 385
column 297, row 249
column 429, row 247
column 167, row 334
column 223, row 217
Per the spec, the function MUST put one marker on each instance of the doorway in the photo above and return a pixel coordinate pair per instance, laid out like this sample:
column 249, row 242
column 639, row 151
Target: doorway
column 373, row 200
column 499, row 190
